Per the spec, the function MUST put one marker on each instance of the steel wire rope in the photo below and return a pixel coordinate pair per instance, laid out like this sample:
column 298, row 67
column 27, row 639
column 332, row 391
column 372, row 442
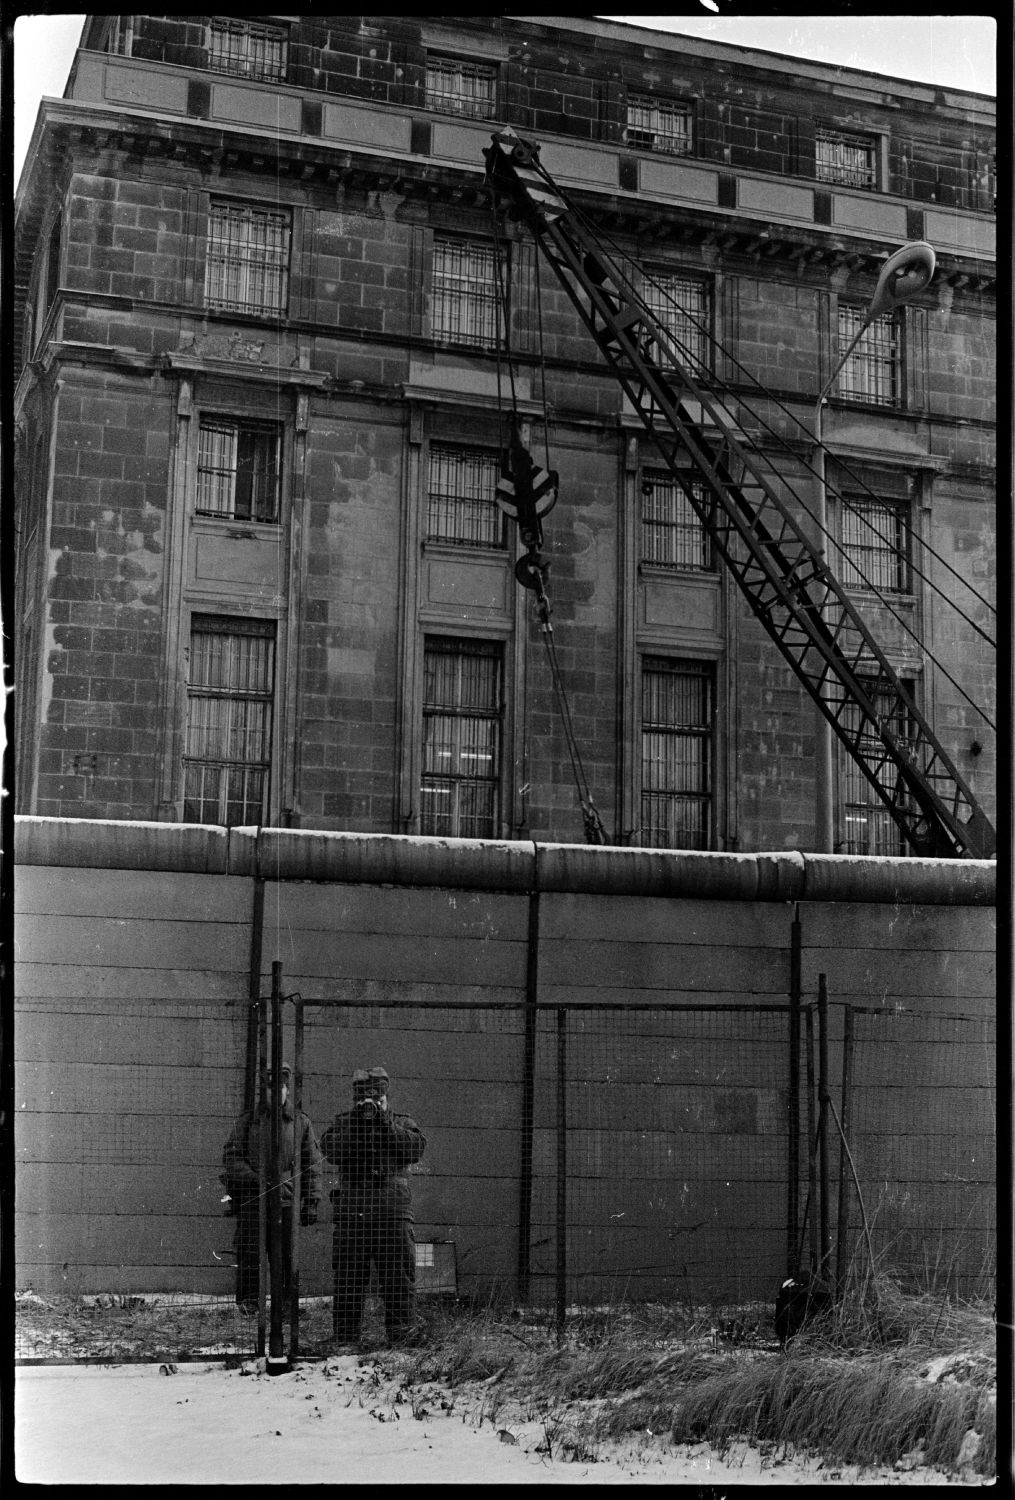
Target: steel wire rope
column 542, row 361
column 590, row 814
column 719, row 388
column 501, row 315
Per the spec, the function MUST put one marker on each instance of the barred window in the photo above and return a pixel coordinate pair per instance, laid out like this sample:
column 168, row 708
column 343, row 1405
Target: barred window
column 230, row 687
column 849, row 160
column 672, row 533
column 237, row 470
column 462, row 715
column 875, row 544
column 247, row 267
column 659, row 125
column 456, row 87
column 461, row 503
column 872, row 372
column 676, row 754
column 464, row 291
column 869, row 826
column 247, row 48
column 681, row 305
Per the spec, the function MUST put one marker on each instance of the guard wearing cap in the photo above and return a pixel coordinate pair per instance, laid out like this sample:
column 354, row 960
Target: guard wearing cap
column 372, row 1148
column 240, row 1159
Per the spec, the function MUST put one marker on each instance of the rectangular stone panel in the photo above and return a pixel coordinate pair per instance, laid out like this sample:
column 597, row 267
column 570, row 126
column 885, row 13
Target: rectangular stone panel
column 668, row 179
column 147, row 87
column 775, row 200
column 679, row 604
column 254, row 106
column 367, row 127
column 869, row 213
column 224, row 559
column 471, row 583
column 961, row 232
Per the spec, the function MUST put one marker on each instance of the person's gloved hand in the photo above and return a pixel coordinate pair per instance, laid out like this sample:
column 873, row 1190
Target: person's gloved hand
column 308, row 1215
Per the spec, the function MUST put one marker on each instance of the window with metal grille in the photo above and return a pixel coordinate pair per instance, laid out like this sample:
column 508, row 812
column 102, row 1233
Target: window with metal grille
column 457, row 87
column 659, row 125
column 462, row 716
column 681, row 305
column 672, row 533
column 464, row 291
column 230, row 687
column 869, row 826
column 875, row 544
column 237, row 470
column 676, row 754
column 872, row 372
column 247, row 265
column 244, row 47
column 849, row 160
column 461, row 505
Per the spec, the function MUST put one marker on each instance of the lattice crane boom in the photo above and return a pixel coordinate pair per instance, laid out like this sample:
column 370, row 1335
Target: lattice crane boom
column 790, row 588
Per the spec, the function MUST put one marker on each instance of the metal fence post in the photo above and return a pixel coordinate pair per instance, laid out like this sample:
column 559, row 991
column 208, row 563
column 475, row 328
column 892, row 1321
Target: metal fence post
column 294, row 1300
column 277, row 1359
column 261, row 1117
column 842, row 1219
column 561, row 1171
column 811, row 1212
column 528, row 1099
column 824, row 1099
column 793, row 1120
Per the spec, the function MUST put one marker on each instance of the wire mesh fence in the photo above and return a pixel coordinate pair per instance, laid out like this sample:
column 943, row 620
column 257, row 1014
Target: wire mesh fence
column 918, row 1113
column 547, row 1156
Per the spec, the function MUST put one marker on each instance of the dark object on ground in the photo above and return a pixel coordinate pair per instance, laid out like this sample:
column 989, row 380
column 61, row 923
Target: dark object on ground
column 801, row 1296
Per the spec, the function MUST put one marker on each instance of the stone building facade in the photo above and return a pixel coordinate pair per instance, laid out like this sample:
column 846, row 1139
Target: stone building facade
column 261, row 575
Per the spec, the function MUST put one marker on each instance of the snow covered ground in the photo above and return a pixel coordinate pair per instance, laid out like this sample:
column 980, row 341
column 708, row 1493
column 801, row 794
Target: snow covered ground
column 340, row 1421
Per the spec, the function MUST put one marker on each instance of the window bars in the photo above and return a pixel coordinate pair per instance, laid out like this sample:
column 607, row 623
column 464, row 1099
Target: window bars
column 237, row 470
column 457, row 87
column 247, row 49
column 869, row 826
column 658, row 125
column 672, row 534
column 464, row 291
column 461, row 507
column 875, row 545
column 676, row 755
column 227, row 754
column 680, row 304
column 871, row 373
column 849, row 160
column 247, row 266
column 462, row 714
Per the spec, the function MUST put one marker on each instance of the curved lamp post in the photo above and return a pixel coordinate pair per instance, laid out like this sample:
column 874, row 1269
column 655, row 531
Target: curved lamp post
column 904, row 275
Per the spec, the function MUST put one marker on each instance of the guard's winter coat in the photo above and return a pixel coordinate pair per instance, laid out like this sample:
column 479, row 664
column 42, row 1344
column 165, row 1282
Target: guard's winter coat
column 372, row 1152
column 373, row 1217
column 242, row 1152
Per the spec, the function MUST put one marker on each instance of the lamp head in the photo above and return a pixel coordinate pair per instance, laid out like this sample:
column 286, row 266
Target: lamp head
column 904, row 275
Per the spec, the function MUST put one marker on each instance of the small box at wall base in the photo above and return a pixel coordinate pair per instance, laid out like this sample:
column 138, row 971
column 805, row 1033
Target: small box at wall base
column 436, row 1268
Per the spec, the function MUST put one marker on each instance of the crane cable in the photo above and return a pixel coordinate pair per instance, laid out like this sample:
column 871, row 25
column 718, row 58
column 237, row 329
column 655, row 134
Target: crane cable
column 532, row 567
column 595, row 833
column 717, row 389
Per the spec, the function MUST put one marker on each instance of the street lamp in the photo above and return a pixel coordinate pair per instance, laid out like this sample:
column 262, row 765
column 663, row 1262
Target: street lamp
column 904, row 275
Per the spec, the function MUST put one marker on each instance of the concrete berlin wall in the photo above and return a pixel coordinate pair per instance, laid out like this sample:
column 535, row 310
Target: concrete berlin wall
column 134, row 945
